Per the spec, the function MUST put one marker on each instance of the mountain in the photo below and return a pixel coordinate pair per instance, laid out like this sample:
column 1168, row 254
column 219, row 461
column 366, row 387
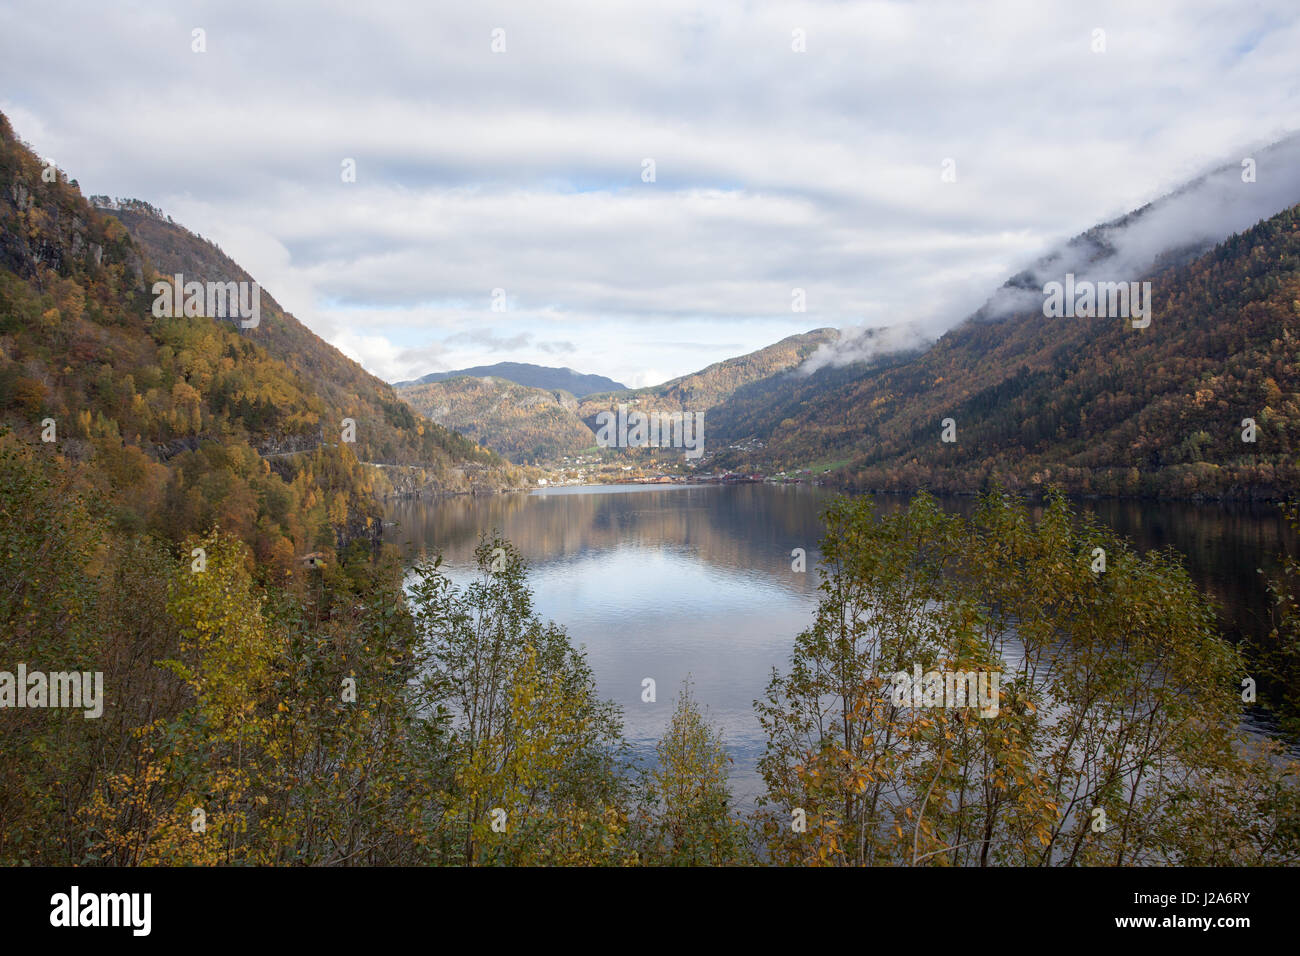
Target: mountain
column 539, row 424
column 1169, row 231
column 1095, row 405
column 523, row 424
column 702, row 390
column 176, row 423
column 1092, row 404
column 533, row 376
column 387, row 433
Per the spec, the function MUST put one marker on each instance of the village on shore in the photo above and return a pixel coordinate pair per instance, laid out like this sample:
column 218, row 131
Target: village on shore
column 593, row 469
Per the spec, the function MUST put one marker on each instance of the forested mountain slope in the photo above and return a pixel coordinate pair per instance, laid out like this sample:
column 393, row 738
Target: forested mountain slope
column 702, row 390
column 523, row 424
column 1090, row 403
column 180, row 423
column 386, row 432
column 533, row 424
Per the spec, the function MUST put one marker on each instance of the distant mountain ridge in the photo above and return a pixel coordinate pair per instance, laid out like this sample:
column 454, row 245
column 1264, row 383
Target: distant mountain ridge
column 532, row 424
column 523, row 424
column 533, row 376
column 713, row 385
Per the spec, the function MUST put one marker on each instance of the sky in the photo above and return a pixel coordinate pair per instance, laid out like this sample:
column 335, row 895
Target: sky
column 893, row 162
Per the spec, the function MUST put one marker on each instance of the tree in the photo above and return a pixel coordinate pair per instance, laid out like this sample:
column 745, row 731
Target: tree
column 190, row 797
column 48, row 599
column 529, row 735
column 1280, row 659
column 687, row 817
column 1111, row 736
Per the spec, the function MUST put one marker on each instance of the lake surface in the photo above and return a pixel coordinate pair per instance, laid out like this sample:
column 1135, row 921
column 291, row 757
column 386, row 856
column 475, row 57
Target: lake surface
column 671, row 582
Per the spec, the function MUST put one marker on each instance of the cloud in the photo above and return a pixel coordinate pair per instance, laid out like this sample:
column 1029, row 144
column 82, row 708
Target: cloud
column 489, row 340
column 1226, row 200
column 774, row 170
column 862, row 344
column 557, row 348
column 425, row 357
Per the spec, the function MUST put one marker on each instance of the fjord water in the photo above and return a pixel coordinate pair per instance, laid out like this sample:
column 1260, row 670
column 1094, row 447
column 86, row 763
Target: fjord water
column 674, row 581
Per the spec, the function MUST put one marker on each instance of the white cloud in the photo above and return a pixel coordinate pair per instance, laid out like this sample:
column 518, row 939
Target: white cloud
column 522, row 170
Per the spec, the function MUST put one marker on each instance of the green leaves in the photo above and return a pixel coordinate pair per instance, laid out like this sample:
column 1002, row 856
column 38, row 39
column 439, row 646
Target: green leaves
column 1115, row 690
column 527, row 732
